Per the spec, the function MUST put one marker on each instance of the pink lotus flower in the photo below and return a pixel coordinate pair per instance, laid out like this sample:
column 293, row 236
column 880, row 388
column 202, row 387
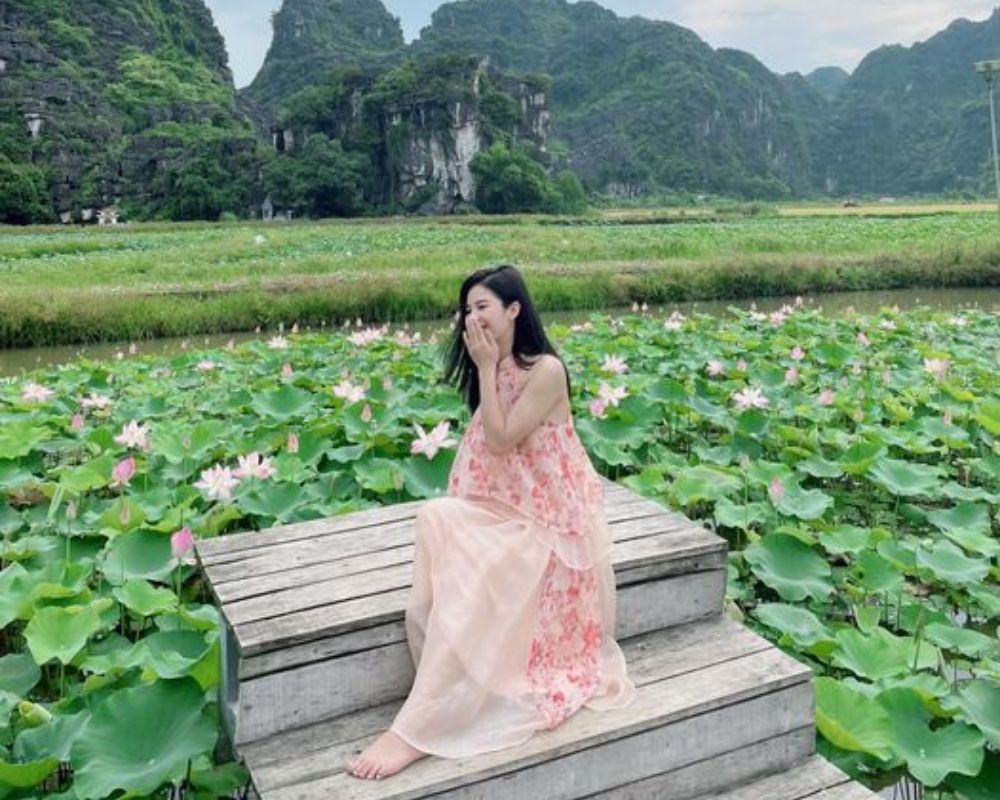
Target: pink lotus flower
column 750, row 397
column 715, row 368
column 826, row 397
column 612, row 394
column 98, row 401
column 676, row 321
column 960, row 322
column 349, row 391
column 862, row 339
column 947, row 418
column 132, row 349
column 430, row 443
column 598, row 407
column 35, row 393
column 286, row 370
column 614, row 364
column 206, row 366
column 367, row 336
column 798, row 300
column 937, row 367
column 253, row 466
column 77, row 422
column 123, row 472
column 278, row 343
column 366, row 413
column 635, row 307
column 791, row 376
column 887, row 325
column 798, row 353
column 181, row 544
column 134, row 435
column 218, row 482
column 741, row 365
column 778, row 318
column 776, row 491
column 856, row 368
column 292, row 445
column 886, row 376
column 387, row 383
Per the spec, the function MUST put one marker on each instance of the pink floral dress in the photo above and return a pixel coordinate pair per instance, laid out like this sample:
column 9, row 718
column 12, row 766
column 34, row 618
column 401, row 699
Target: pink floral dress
column 511, row 617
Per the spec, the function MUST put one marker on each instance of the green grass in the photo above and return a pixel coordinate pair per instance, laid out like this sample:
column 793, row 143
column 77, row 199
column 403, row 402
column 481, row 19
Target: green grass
column 90, row 284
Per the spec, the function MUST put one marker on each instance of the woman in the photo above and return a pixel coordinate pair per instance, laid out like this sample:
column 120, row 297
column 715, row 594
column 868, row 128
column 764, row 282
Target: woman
column 510, row 620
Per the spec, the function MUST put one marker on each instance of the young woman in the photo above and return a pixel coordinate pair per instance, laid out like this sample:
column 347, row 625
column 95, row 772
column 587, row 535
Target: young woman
column 511, row 617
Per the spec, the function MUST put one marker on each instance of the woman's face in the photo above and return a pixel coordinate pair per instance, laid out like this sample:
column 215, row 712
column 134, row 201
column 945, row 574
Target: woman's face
column 484, row 308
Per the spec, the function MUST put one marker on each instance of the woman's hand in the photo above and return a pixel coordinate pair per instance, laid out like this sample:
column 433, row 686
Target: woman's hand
column 481, row 345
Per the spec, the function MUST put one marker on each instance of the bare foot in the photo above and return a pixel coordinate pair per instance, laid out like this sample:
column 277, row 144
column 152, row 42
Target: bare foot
column 386, row 756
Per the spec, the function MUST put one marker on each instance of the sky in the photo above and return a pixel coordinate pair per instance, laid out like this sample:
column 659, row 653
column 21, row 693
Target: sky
column 787, row 35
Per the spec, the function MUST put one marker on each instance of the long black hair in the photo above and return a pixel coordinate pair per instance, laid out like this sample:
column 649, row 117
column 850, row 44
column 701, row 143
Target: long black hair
column 505, row 282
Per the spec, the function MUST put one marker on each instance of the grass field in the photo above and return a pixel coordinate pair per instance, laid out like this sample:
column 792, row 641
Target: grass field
column 63, row 285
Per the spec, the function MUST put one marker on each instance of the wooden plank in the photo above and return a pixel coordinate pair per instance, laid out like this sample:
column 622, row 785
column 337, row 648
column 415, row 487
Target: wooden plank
column 814, row 778
column 371, row 539
column 657, row 655
column 765, row 694
column 301, row 693
column 691, row 588
column 362, row 552
column 219, row 549
column 770, row 754
column 302, row 594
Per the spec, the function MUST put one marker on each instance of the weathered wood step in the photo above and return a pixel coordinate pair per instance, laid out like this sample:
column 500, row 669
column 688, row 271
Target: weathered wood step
column 814, row 779
column 314, row 612
column 717, row 705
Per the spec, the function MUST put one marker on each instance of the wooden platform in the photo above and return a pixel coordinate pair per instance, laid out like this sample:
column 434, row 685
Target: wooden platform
column 316, row 665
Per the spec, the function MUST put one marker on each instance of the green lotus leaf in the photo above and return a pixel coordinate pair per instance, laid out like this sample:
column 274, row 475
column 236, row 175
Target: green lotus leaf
column 286, row 403
column 937, row 429
column 273, row 500
column 800, row 624
column 611, row 430
column 982, row 786
column 18, row 674
column 930, row 755
column 987, row 414
column 902, row 555
column 961, row 640
column 25, row 776
column 951, row 566
column 819, row 467
column 122, row 516
column 743, row 517
column 346, row 455
column 845, row 539
column 882, row 654
column 60, row 580
column 903, row 478
column 859, row 457
column 221, row 781
column 876, row 574
column 55, row 738
column 379, row 475
column 61, row 633
column 789, row 567
column 94, row 474
column 851, row 720
column 144, row 599
column 648, row 483
column 139, row 554
column 867, row 618
column 180, row 443
column 427, row 478
column 967, row 524
column 172, row 654
column 703, row 483
column 139, row 738
column 667, row 390
column 20, row 437
column 804, row 503
column 752, row 422
column 15, row 594
column 761, row 473
column 931, row 688
column 988, row 599
column 979, row 702
column 971, row 494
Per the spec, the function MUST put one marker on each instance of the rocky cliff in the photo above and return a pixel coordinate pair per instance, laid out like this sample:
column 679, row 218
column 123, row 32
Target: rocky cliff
column 122, row 102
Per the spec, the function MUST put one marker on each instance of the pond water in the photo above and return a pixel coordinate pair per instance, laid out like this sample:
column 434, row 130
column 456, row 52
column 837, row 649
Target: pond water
column 17, row 361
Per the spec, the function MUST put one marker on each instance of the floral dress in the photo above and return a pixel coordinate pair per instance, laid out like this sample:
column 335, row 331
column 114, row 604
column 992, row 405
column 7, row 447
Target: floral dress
column 510, row 620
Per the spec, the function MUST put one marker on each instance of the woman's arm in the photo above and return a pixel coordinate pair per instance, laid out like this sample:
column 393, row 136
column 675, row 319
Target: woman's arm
column 545, row 386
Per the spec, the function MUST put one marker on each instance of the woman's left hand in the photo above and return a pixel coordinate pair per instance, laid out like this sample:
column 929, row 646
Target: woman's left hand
column 481, row 346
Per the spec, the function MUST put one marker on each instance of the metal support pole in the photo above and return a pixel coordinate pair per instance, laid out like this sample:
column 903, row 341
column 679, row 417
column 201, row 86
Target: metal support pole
column 993, row 127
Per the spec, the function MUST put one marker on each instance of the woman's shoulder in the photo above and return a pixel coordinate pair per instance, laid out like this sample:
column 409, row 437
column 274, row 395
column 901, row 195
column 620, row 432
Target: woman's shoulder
column 544, row 361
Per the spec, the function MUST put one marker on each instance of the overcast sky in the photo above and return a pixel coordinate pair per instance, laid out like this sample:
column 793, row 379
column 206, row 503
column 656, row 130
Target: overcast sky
column 786, row 35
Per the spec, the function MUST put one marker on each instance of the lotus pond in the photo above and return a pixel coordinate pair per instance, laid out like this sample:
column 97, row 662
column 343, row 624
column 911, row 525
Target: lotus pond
column 852, row 463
